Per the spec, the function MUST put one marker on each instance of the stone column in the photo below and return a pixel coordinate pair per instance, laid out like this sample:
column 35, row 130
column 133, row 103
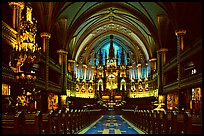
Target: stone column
column 71, row 65
column 153, row 65
column 159, row 84
column 63, row 63
column 71, row 68
column 46, row 36
column 17, row 9
column 162, row 61
column 180, row 45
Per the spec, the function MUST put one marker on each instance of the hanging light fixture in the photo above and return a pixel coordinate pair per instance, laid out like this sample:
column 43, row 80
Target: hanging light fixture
column 27, row 52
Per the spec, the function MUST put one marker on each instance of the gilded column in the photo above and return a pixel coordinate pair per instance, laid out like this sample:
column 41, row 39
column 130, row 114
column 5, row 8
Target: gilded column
column 73, row 70
column 64, row 67
column 139, row 70
column 71, row 65
column 159, row 71
column 84, row 70
column 146, row 70
column 163, row 62
column 153, row 65
column 46, row 36
column 180, row 45
column 17, row 9
column 130, row 72
column 77, row 70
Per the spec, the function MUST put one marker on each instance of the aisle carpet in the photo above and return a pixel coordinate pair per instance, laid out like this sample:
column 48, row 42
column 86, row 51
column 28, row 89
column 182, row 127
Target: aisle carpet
column 111, row 124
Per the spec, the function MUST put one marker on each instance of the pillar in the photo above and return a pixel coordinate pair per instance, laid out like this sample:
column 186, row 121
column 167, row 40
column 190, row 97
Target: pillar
column 71, row 65
column 73, row 70
column 139, row 70
column 17, row 9
column 84, row 70
column 46, row 36
column 130, row 72
column 146, row 70
column 77, row 70
column 63, row 63
column 161, row 60
column 153, row 65
column 180, row 45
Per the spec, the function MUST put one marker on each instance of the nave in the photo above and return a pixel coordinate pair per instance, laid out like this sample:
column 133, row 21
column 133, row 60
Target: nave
column 66, row 64
column 111, row 124
column 101, row 121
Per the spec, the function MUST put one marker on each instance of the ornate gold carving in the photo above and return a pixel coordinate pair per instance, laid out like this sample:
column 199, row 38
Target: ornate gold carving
column 61, row 51
column 45, row 35
column 71, row 61
column 180, row 32
column 18, row 4
column 163, row 50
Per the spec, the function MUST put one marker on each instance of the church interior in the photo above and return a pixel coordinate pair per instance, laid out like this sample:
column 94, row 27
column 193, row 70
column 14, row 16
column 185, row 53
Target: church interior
column 101, row 68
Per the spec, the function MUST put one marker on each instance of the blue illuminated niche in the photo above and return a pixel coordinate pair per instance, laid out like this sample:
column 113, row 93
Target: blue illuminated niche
column 105, row 53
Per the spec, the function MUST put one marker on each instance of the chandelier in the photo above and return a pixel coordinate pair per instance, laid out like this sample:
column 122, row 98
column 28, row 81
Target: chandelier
column 27, row 52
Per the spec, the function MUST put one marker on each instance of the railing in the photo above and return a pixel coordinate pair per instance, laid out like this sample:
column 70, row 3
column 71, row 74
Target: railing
column 171, row 86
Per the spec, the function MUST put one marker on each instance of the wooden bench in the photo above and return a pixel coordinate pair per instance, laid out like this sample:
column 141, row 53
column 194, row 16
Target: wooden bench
column 196, row 124
column 184, row 123
column 8, row 124
column 47, row 123
column 11, row 124
column 162, row 122
column 65, row 122
column 72, row 121
column 58, row 122
column 147, row 122
column 32, row 123
column 172, row 123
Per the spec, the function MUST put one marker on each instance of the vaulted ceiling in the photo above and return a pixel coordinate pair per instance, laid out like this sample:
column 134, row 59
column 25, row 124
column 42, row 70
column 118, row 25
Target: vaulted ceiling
column 80, row 27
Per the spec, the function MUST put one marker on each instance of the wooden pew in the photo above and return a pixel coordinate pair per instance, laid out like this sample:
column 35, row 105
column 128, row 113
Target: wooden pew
column 184, row 123
column 197, row 124
column 79, row 119
column 8, row 124
column 47, row 123
column 82, row 118
column 135, row 121
column 151, row 122
column 171, row 127
column 85, row 118
column 162, row 122
column 143, row 121
column 32, row 123
column 11, row 124
column 65, row 121
column 75, row 119
column 187, row 123
column 59, row 123
column 72, row 121
column 147, row 120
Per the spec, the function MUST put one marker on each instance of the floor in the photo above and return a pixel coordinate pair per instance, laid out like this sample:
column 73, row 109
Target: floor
column 111, row 124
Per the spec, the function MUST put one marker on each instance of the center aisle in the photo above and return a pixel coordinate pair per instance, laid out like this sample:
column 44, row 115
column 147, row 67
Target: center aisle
column 111, row 124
